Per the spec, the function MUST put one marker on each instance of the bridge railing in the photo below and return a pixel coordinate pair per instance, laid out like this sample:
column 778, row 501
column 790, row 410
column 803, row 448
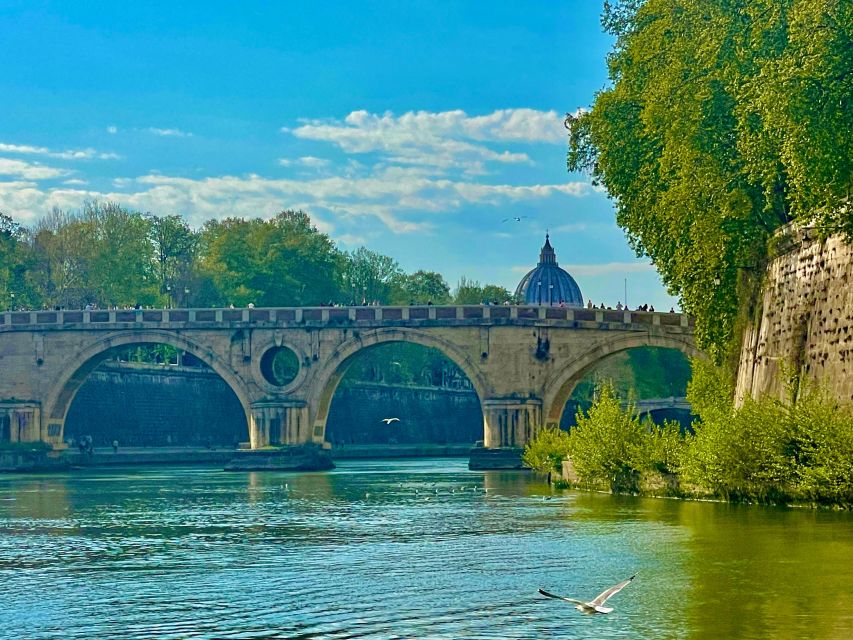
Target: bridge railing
column 476, row 314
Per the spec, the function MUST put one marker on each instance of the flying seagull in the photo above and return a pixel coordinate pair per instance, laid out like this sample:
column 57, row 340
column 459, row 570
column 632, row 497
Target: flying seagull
column 596, row 605
column 516, row 218
column 390, row 420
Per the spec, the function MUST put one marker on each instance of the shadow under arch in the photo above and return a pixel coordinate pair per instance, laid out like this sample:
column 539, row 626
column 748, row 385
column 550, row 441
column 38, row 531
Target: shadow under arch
column 334, row 368
column 558, row 391
column 76, row 371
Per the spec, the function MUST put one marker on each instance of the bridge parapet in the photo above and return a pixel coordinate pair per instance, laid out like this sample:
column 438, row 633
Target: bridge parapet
column 320, row 317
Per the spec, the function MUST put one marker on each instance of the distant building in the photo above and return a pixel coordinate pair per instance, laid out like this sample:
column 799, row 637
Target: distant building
column 548, row 284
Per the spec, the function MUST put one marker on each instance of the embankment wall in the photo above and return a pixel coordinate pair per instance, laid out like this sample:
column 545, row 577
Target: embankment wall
column 803, row 322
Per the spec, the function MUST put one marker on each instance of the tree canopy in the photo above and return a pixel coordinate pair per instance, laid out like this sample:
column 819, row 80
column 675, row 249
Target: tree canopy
column 107, row 255
column 723, row 121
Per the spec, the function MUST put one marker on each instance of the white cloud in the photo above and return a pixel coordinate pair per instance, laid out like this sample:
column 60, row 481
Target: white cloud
column 112, row 129
column 428, row 166
column 69, row 154
column 177, row 133
column 29, row 171
column 311, row 162
column 443, row 140
column 399, row 197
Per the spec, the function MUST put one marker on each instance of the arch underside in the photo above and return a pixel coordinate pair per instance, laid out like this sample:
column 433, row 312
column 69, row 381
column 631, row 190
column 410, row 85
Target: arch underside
column 336, row 366
column 559, row 391
column 61, row 397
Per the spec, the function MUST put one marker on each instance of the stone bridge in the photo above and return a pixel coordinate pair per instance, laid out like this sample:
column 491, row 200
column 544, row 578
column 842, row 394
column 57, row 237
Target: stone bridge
column 522, row 361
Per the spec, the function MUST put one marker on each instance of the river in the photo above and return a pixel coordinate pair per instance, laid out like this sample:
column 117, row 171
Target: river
column 403, row 549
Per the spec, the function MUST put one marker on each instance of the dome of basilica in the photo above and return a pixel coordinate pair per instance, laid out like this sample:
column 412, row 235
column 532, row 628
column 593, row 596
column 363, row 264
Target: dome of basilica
column 548, row 284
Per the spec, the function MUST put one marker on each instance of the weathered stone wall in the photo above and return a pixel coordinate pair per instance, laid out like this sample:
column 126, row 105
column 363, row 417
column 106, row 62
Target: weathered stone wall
column 156, row 406
column 427, row 414
column 805, row 319
column 179, row 406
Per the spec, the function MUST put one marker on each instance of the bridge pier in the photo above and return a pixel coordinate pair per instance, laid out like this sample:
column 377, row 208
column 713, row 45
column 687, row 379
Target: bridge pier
column 277, row 422
column 21, row 422
column 510, row 422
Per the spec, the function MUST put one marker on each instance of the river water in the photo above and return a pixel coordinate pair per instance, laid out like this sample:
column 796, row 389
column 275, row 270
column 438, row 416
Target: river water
column 403, row 549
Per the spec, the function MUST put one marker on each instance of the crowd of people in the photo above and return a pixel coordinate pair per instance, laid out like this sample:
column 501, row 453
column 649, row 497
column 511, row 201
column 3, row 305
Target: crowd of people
column 375, row 303
column 620, row 307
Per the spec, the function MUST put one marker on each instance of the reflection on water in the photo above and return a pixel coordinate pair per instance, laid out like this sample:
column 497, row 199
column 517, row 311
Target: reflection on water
column 403, row 549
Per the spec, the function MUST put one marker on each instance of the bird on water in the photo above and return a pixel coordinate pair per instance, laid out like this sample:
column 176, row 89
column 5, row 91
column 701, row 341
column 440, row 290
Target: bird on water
column 596, row 605
column 390, row 420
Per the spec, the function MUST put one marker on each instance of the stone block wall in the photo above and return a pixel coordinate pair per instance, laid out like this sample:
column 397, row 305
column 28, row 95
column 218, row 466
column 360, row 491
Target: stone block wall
column 805, row 319
column 156, row 406
column 439, row 416
column 184, row 406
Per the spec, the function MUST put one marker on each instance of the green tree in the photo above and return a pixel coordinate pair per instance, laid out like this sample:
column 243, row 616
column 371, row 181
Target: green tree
column 369, row 276
column 736, row 452
column 605, row 443
column 723, row 122
column 821, row 448
column 421, row 287
column 547, row 450
column 63, row 245
column 121, row 263
column 284, row 261
column 14, row 264
column 175, row 246
column 470, row 292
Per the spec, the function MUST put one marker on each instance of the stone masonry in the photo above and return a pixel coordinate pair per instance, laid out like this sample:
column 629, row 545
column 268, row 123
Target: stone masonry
column 804, row 325
column 522, row 361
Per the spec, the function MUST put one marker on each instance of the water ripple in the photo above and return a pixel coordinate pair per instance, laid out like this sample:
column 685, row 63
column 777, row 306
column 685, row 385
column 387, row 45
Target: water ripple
column 362, row 553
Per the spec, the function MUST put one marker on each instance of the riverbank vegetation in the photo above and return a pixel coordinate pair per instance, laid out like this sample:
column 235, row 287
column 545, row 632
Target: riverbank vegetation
column 799, row 450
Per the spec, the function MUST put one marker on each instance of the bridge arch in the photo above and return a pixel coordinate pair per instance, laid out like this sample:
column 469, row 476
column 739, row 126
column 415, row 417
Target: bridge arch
column 75, row 372
column 560, row 388
column 327, row 379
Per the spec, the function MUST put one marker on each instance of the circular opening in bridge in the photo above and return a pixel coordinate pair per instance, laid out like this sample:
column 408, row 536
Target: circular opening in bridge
column 148, row 395
column 655, row 378
column 279, row 366
column 399, row 394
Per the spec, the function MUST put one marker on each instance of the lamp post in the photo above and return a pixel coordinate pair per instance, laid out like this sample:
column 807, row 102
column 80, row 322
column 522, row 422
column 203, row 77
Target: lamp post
column 168, row 296
column 187, row 297
column 551, row 294
column 11, row 301
column 539, row 291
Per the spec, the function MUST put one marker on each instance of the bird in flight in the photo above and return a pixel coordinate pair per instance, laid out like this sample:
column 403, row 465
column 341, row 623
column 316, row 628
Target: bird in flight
column 596, row 605
column 516, row 218
column 390, row 420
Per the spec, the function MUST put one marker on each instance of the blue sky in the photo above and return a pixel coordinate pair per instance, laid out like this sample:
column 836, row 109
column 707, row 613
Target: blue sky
column 416, row 129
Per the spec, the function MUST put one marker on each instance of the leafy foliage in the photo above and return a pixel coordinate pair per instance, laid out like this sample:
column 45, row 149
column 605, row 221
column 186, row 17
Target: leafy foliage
column 547, row 450
column 370, row 276
column 269, row 262
column 471, row 292
column 605, row 442
column 421, row 287
column 723, row 122
column 405, row 364
column 768, row 449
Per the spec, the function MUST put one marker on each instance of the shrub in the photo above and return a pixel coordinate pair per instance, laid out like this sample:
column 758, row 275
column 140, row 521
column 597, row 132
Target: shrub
column 605, row 440
column 547, row 450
